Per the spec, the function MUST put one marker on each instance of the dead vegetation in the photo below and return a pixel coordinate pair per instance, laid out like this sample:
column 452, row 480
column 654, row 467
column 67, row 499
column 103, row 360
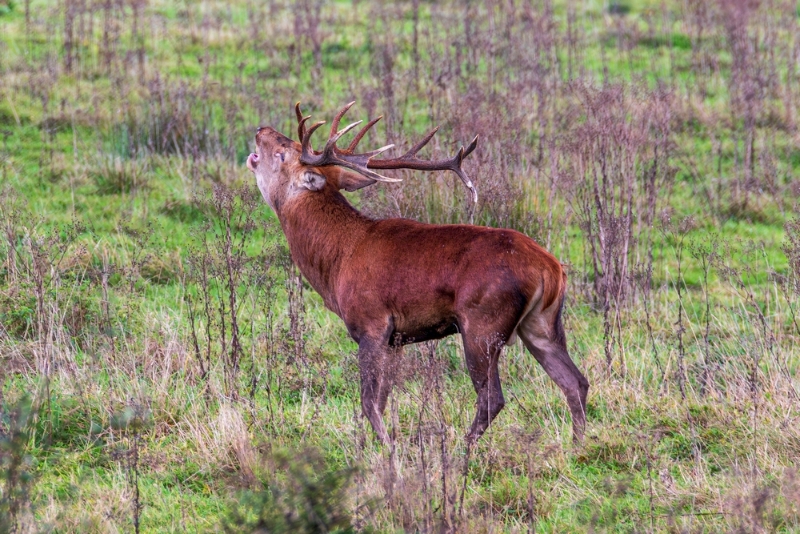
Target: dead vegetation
column 173, row 355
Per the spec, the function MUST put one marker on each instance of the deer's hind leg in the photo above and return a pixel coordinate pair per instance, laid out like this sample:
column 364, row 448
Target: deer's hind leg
column 542, row 332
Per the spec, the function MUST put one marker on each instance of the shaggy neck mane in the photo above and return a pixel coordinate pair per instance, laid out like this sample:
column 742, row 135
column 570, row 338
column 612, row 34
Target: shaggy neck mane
column 322, row 229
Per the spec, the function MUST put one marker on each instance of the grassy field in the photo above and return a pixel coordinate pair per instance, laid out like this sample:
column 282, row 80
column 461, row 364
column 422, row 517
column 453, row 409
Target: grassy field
column 164, row 368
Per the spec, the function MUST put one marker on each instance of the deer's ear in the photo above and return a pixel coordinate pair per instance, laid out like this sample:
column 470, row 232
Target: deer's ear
column 312, row 181
column 351, row 181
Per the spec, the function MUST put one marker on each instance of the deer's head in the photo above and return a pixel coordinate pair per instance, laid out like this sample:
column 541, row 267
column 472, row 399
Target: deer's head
column 285, row 169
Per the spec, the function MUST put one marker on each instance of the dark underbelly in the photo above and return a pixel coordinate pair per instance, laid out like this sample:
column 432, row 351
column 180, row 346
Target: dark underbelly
column 418, row 335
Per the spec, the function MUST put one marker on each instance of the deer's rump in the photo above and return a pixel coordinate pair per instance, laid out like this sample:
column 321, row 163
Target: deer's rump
column 430, row 279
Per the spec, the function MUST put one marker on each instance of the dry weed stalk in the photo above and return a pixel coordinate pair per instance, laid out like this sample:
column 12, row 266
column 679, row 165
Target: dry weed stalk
column 576, row 136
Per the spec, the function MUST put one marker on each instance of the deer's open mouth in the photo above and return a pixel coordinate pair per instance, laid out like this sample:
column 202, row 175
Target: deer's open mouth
column 252, row 162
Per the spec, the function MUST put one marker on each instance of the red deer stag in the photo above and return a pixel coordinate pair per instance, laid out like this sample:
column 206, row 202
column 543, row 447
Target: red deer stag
column 398, row 281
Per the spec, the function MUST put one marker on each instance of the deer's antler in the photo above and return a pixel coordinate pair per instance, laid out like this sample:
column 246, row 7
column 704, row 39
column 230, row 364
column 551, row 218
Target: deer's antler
column 333, row 155
column 409, row 160
column 363, row 162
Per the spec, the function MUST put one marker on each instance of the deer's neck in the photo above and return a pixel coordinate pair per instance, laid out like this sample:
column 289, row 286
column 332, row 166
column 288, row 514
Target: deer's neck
column 322, row 230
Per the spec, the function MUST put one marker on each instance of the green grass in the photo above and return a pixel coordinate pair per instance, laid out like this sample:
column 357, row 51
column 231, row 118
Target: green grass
column 89, row 186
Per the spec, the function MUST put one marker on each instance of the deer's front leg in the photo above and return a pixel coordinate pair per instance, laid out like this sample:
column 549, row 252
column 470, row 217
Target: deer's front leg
column 377, row 373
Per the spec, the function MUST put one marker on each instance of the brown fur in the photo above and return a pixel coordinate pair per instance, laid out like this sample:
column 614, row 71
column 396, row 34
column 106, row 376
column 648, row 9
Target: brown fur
column 398, row 281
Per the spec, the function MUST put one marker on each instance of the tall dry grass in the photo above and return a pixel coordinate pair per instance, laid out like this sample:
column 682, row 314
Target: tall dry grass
column 175, row 355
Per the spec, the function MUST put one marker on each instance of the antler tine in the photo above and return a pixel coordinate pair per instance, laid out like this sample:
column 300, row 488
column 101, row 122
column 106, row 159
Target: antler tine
column 460, row 172
column 468, row 183
column 301, row 128
column 425, row 140
column 381, row 150
column 360, row 134
column 471, row 147
column 338, row 117
column 463, row 153
column 334, row 137
column 308, row 153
